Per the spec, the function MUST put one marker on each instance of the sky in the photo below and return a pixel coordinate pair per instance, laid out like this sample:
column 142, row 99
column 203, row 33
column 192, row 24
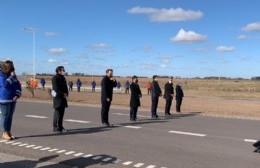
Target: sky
column 184, row 38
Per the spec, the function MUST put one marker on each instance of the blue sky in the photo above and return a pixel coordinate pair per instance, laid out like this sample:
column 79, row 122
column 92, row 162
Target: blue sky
column 186, row 38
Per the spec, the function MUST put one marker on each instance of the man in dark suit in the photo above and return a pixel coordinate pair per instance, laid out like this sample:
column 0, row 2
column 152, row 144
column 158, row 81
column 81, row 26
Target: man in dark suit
column 179, row 96
column 156, row 92
column 168, row 95
column 107, row 85
column 60, row 94
column 136, row 94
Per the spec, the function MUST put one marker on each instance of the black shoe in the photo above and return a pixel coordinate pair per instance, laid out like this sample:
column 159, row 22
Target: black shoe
column 106, row 124
column 63, row 130
column 132, row 119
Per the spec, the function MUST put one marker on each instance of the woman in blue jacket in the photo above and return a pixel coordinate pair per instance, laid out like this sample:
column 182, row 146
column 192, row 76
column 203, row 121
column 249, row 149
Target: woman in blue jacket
column 10, row 91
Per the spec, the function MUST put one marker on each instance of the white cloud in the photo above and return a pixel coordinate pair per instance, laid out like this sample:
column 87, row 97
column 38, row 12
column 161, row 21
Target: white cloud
column 243, row 37
column 251, row 27
column 52, row 60
column 58, row 51
column 167, row 15
column 51, row 34
column 225, row 49
column 165, row 59
column 188, row 37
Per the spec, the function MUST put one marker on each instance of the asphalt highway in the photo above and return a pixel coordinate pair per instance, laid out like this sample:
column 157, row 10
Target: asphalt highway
column 181, row 141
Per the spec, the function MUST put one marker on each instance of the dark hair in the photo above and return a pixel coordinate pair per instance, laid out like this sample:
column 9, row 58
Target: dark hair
column 134, row 77
column 109, row 70
column 59, row 68
column 5, row 68
column 155, row 76
column 11, row 64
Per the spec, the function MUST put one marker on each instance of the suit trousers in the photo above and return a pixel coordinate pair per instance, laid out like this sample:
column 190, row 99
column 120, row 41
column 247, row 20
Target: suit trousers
column 58, row 118
column 133, row 113
column 168, row 105
column 155, row 100
column 104, row 111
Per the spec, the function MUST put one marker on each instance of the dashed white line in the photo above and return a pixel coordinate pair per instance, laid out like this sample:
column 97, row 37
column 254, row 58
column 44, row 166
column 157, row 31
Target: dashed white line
column 250, row 140
column 9, row 142
column 70, row 152
column 47, row 148
column 77, row 121
column 188, row 133
column 61, row 151
column 139, row 165
column 23, row 144
column 35, row 116
column 29, row 146
column 53, row 150
column 87, row 156
column 127, row 163
column 16, row 143
column 78, row 154
column 151, row 166
column 127, row 126
column 37, row 147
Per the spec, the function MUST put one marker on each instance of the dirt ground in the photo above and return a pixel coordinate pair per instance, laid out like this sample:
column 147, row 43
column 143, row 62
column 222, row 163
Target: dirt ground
column 210, row 106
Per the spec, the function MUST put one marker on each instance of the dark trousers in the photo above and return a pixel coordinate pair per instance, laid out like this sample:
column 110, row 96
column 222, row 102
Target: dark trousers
column 133, row 113
column 168, row 105
column 127, row 91
column 178, row 105
column 78, row 89
column 155, row 100
column 58, row 118
column 105, row 111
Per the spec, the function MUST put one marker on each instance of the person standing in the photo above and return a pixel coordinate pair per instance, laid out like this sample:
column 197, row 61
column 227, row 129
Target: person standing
column 70, row 86
column 127, row 86
column 156, row 92
column 168, row 95
column 118, row 87
column 78, row 84
column 107, row 85
column 42, row 81
column 136, row 94
column 93, row 84
column 60, row 94
column 179, row 96
column 10, row 91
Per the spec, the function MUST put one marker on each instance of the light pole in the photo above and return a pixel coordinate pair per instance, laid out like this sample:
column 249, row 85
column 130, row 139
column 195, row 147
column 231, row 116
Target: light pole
column 32, row 30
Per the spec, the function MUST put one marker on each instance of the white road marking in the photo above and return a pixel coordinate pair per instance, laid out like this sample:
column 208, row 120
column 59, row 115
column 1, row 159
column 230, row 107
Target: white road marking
column 151, row 166
column 188, row 133
column 47, row 148
column 139, row 165
column 16, row 143
column 127, row 163
column 77, row 121
column 97, row 157
column 23, row 144
column 89, row 155
column 250, row 140
column 52, row 150
column 127, row 126
column 117, row 161
column 3, row 141
column 37, row 147
column 35, row 116
column 78, row 154
column 68, row 153
column 9, row 142
column 107, row 159
column 29, row 146
column 61, row 151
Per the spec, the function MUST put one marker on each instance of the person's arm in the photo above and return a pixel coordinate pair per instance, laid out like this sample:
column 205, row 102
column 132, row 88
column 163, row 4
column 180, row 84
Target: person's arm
column 56, row 87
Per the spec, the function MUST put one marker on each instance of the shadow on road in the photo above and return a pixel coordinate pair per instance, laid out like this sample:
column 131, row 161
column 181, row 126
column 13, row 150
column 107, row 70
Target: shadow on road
column 79, row 162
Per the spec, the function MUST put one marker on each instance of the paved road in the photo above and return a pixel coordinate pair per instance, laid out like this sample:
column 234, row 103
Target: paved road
column 189, row 140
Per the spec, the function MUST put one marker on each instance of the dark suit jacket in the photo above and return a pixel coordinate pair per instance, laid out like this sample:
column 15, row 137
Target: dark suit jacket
column 155, row 89
column 168, row 90
column 179, row 93
column 107, row 86
column 135, row 95
column 59, row 85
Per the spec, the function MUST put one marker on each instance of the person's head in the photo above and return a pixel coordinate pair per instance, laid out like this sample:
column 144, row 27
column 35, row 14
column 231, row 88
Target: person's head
column 135, row 79
column 60, row 70
column 155, row 78
column 170, row 79
column 5, row 68
column 109, row 73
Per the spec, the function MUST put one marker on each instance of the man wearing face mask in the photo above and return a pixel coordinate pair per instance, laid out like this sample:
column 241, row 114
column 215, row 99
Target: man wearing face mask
column 168, row 95
column 156, row 92
column 60, row 94
column 107, row 85
column 136, row 94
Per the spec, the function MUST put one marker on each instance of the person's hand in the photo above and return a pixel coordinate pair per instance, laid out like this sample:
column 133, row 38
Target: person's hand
column 108, row 99
column 13, row 73
column 15, row 98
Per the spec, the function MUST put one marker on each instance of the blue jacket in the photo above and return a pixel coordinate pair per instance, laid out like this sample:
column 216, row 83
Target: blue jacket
column 9, row 88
